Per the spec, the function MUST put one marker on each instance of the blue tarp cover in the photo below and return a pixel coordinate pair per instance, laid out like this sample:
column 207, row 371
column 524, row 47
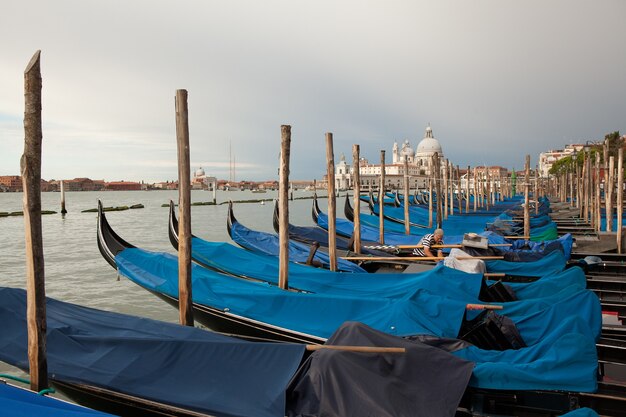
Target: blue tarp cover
column 17, row 402
column 182, row 366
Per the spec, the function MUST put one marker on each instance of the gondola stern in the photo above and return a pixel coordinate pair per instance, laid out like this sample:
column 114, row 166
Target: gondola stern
column 109, row 242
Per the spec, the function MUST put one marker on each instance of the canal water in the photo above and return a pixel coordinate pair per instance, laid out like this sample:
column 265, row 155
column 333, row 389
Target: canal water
column 76, row 272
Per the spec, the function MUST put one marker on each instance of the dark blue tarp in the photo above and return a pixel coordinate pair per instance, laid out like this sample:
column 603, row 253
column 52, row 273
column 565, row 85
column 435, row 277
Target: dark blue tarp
column 269, row 243
column 17, row 402
column 178, row 365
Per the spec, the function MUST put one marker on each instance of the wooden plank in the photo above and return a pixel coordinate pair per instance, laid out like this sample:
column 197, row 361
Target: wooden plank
column 283, row 196
column 30, row 166
column 185, row 303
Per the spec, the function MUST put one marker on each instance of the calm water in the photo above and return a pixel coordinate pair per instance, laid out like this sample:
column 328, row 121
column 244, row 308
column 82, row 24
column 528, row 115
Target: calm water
column 77, row 273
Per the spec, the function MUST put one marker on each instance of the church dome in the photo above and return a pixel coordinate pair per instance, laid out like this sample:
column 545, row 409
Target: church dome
column 199, row 173
column 429, row 145
column 407, row 150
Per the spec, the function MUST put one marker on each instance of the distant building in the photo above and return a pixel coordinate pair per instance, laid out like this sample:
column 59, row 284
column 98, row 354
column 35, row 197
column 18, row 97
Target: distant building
column 123, row 186
column 547, row 159
column 11, row 182
column 419, row 166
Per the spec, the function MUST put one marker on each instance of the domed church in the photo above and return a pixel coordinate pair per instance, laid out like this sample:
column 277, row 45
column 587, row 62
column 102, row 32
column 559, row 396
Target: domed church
column 422, row 157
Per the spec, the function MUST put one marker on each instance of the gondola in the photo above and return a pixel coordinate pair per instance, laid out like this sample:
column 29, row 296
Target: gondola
column 521, row 397
column 269, row 243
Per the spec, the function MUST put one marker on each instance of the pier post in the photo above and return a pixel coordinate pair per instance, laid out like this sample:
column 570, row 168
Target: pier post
column 536, row 192
column 332, row 202
column 608, row 194
column 430, row 201
column 214, row 191
column 63, row 210
column 407, row 225
column 283, row 196
column 439, row 196
column 185, row 303
column 30, row 165
column 445, row 189
column 357, row 198
column 620, row 197
column 526, row 199
column 381, row 199
column 467, row 191
column 598, row 206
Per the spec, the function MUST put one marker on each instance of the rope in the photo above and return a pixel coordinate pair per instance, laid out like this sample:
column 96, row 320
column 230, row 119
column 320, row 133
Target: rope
column 27, row 382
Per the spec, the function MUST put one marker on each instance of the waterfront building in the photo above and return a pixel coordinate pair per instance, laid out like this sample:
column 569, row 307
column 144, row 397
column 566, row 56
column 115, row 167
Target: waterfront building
column 11, row 182
column 419, row 166
column 124, row 186
column 547, row 159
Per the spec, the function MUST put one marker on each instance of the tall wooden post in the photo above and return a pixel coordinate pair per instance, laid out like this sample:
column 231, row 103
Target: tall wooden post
column 185, row 296
column 620, row 197
column 430, row 201
column 608, row 194
column 283, row 196
column 526, row 199
column 407, row 225
column 598, row 205
column 332, row 202
column 30, row 165
column 444, row 195
column 467, row 191
column 381, row 199
column 357, row 198
column 475, row 189
column 536, row 192
column 438, row 193
column 63, row 210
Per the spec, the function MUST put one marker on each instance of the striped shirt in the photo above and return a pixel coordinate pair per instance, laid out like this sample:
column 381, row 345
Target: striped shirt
column 427, row 241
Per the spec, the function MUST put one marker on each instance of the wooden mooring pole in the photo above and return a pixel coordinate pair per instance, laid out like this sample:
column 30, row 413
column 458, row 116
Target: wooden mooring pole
column 357, row 198
column 381, row 199
column 185, row 296
column 438, row 194
column 283, row 196
column 332, row 202
column 430, row 201
column 608, row 194
column 526, row 199
column 407, row 224
column 620, row 197
column 30, row 165
column 467, row 190
column 63, row 210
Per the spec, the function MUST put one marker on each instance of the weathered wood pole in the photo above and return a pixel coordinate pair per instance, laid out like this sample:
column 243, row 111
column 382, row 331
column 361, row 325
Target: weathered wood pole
column 536, row 192
column 381, row 199
column 438, row 193
column 185, row 296
column 598, row 204
column 214, row 191
column 444, row 196
column 283, row 196
column 459, row 190
column 332, row 202
column 407, row 224
column 620, row 197
column 30, row 166
column 63, row 210
column 430, row 201
column 475, row 189
column 357, row 198
column 608, row 194
column 467, row 191
column 526, row 199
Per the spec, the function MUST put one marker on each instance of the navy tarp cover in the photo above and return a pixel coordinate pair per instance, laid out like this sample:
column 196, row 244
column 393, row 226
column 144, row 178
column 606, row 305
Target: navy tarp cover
column 552, row 263
column 16, row 402
column 581, row 412
column 415, row 312
column 178, row 365
column 269, row 243
column 433, row 380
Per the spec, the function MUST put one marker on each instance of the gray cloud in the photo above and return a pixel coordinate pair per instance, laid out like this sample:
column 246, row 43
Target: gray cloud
column 496, row 80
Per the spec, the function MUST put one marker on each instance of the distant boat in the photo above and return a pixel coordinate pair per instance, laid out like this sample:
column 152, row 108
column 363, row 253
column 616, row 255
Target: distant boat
column 262, row 202
column 259, row 191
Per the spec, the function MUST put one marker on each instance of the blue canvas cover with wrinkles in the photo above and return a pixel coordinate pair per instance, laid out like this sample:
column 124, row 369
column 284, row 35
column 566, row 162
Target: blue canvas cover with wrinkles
column 152, row 359
column 16, row 402
column 415, row 312
column 269, row 243
column 440, row 280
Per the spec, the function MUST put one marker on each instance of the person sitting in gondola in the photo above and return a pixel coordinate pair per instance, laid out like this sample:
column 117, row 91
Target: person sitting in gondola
column 427, row 243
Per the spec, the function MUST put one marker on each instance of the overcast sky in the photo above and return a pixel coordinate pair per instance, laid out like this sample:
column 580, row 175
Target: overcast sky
column 496, row 80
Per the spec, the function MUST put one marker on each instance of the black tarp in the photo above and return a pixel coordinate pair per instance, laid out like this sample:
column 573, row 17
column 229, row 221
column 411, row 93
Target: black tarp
column 424, row 381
